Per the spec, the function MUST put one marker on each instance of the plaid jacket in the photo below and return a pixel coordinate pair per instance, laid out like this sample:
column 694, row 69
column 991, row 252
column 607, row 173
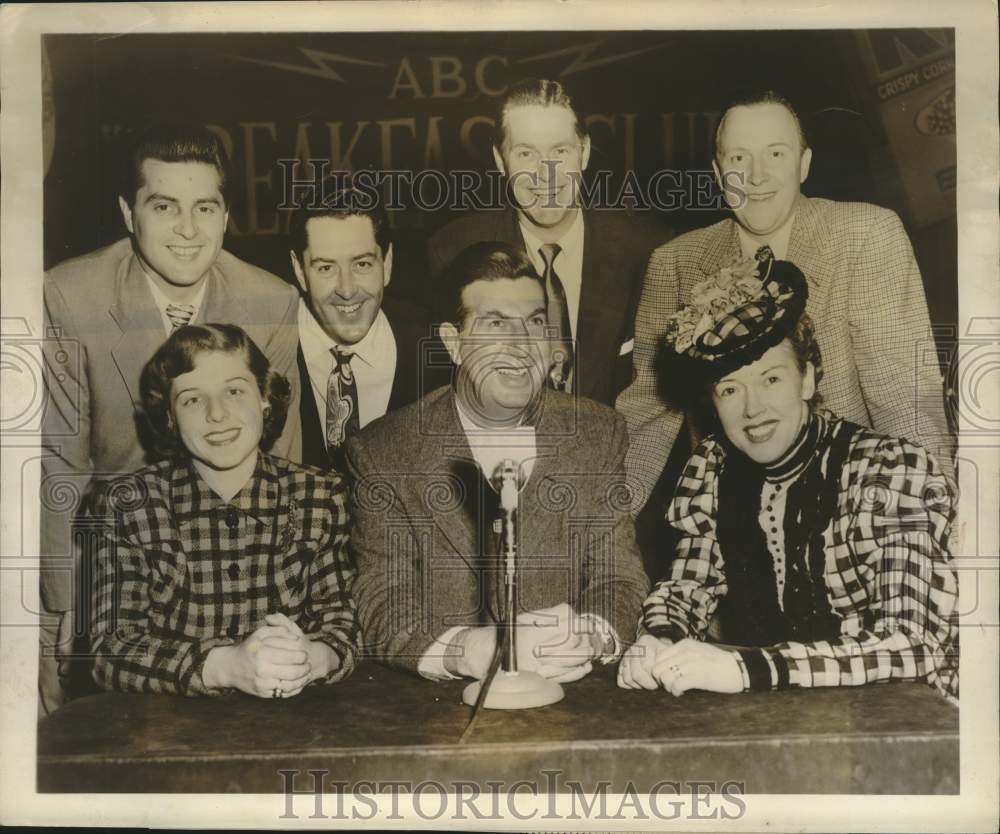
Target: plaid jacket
column 866, row 299
column 180, row 571
column 886, row 556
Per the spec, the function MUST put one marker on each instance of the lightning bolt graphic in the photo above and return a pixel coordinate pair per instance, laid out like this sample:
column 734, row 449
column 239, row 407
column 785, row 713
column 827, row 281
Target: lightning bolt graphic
column 582, row 53
column 321, row 63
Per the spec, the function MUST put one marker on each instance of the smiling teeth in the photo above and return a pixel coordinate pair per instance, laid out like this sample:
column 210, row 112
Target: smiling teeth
column 512, row 371
column 353, row 308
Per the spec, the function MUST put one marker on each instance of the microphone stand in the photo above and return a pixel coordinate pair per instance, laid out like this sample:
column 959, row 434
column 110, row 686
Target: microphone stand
column 511, row 689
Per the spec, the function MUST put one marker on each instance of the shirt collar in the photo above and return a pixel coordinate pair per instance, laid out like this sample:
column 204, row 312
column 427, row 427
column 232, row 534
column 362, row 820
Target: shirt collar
column 161, row 299
column 571, row 241
column 778, row 241
column 316, row 341
column 192, row 498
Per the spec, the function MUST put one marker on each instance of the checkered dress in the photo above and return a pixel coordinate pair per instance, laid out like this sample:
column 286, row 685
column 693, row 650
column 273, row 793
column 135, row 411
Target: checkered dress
column 887, row 567
column 181, row 571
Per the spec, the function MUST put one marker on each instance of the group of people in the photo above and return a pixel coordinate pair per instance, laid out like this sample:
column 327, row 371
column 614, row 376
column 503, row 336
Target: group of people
column 286, row 476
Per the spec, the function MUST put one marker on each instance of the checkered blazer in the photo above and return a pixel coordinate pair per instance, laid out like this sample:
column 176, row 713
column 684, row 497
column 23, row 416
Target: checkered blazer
column 866, row 299
column 886, row 558
column 181, row 571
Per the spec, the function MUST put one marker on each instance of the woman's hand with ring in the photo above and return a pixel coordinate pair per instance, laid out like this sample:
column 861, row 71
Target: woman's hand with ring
column 692, row 664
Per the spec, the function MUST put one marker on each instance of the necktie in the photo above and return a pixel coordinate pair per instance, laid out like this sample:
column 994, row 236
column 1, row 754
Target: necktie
column 558, row 313
column 179, row 314
column 341, row 403
column 764, row 253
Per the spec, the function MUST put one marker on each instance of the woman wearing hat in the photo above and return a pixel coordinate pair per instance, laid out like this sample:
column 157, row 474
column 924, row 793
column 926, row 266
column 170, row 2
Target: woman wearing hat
column 819, row 546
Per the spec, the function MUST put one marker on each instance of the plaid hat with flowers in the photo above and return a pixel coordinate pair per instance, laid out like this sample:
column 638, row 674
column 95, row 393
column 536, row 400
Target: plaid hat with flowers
column 735, row 316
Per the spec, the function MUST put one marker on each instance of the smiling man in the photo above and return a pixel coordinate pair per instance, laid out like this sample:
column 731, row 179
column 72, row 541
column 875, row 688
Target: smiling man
column 359, row 349
column 424, row 505
column 107, row 312
column 866, row 296
column 592, row 260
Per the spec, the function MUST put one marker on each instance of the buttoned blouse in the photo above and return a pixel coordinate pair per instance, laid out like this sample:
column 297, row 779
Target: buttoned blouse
column 181, row 571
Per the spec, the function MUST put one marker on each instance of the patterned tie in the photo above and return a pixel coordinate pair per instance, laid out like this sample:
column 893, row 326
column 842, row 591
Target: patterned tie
column 341, row 403
column 179, row 314
column 558, row 313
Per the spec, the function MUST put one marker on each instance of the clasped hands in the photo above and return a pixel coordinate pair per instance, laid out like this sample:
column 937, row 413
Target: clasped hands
column 653, row 662
column 554, row 642
column 276, row 661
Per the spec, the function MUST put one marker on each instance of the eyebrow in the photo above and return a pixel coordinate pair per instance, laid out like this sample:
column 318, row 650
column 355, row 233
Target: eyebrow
column 318, row 259
column 240, row 378
column 167, row 199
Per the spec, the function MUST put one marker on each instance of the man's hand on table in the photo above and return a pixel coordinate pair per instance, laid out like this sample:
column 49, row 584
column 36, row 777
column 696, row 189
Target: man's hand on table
column 554, row 642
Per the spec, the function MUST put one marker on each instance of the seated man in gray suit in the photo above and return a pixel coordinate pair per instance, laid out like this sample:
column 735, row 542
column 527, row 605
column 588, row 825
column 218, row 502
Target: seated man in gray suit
column 424, row 504
column 107, row 312
column 866, row 296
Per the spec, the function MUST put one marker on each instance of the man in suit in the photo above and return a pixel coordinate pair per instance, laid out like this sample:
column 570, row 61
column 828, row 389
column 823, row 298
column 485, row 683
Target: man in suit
column 359, row 349
column 106, row 313
column 593, row 261
column 866, row 297
column 424, row 503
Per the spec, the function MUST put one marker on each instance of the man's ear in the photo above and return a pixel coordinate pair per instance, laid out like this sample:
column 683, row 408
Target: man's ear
column 387, row 266
column 300, row 276
column 126, row 214
column 804, row 163
column 585, row 156
column 718, row 174
column 498, row 158
column 452, row 341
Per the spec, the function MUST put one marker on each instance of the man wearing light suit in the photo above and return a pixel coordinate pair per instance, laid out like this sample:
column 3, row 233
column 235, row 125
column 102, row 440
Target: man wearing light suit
column 424, row 503
column 107, row 312
column 866, row 297
column 593, row 261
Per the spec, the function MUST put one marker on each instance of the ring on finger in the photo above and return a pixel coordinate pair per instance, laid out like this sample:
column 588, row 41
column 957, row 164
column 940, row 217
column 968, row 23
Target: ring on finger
column 277, row 692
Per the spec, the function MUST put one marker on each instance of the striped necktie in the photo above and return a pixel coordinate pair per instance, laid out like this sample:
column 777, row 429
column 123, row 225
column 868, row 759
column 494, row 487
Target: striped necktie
column 179, row 314
column 558, row 313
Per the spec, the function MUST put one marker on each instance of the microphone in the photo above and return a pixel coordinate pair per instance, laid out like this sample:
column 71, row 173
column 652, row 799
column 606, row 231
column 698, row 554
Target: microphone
column 513, row 689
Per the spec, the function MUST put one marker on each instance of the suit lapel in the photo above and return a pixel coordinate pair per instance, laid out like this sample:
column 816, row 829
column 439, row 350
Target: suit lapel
column 451, row 467
column 225, row 301
column 807, row 250
column 721, row 249
column 542, row 496
column 599, row 318
column 314, row 452
column 134, row 311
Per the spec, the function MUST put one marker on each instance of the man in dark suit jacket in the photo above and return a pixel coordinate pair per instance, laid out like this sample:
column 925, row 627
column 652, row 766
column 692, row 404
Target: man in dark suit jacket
column 107, row 312
column 595, row 259
column 359, row 353
column 427, row 591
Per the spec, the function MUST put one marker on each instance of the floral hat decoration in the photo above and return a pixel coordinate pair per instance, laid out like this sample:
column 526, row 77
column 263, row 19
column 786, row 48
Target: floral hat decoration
column 735, row 316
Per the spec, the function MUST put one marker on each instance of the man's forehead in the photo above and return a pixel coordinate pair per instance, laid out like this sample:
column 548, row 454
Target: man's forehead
column 526, row 121
column 503, row 294
column 765, row 119
column 158, row 174
column 350, row 234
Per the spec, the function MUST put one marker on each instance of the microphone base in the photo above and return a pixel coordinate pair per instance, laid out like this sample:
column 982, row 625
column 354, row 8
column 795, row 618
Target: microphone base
column 516, row 690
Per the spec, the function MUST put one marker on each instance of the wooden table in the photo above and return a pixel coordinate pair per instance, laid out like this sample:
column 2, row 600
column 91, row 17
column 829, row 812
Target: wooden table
column 381, row 725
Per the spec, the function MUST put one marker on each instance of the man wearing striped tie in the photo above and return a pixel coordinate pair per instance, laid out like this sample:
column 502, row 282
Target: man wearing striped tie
column 106, row 313
column 592, row 260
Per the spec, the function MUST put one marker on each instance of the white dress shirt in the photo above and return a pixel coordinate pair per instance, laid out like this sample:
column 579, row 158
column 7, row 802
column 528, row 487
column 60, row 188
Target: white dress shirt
column 373, row 364
column 162, row 301
column 777, row 241
column 568, row 264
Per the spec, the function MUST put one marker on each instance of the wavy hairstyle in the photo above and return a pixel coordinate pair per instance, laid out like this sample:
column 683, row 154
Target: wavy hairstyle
column 177, row 356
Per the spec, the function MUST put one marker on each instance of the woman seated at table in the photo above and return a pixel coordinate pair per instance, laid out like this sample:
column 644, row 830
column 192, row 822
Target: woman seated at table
column 225, row 568
column 820, row 545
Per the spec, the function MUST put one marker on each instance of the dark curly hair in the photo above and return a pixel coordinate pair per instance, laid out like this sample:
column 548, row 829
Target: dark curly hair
column 177, row 356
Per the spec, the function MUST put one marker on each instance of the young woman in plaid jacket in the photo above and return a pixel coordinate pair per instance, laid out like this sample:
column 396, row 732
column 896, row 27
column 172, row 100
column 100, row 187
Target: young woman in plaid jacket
column 222, row 567
column 819, row 548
